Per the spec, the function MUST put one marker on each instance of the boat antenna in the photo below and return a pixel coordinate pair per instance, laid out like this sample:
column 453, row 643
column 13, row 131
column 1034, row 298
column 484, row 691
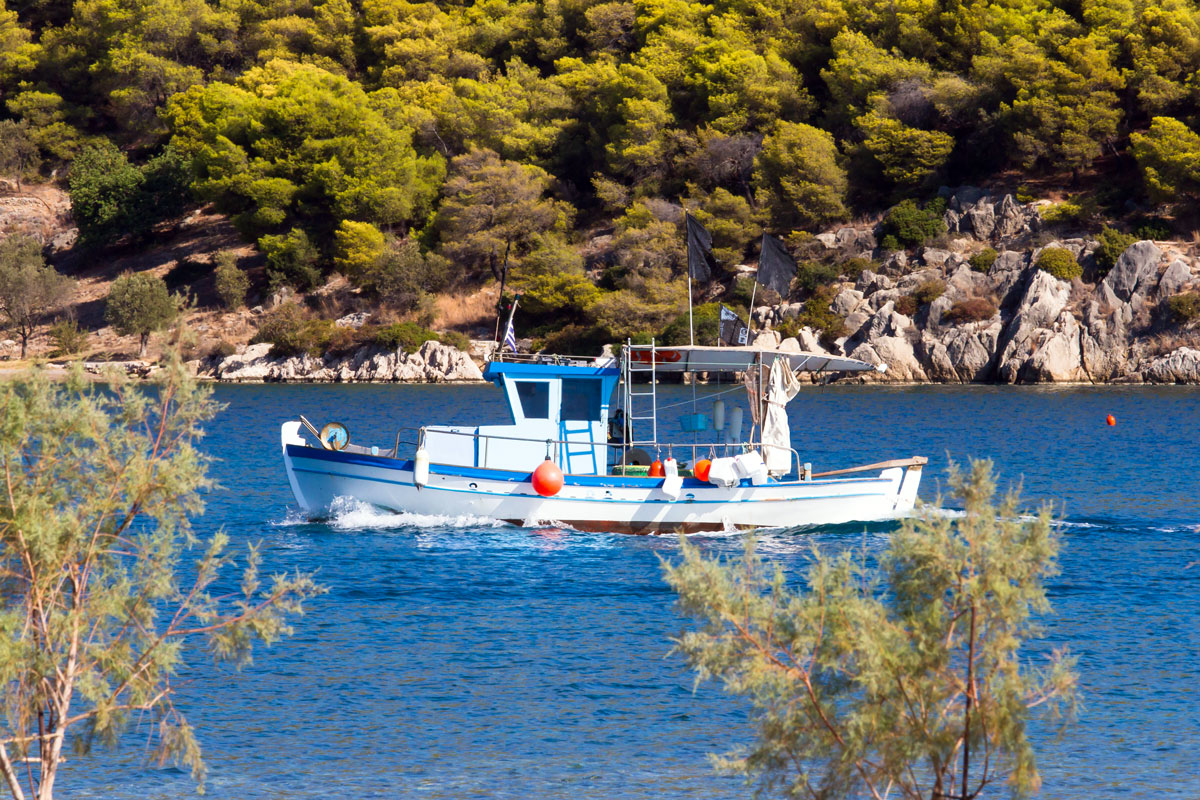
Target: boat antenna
column 750, row 311
column 503, row 280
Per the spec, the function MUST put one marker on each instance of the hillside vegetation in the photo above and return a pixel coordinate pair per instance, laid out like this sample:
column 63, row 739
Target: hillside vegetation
column 417, row 147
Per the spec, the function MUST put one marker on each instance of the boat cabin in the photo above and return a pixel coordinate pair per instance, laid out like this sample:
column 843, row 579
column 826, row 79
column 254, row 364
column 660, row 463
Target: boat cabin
column 558, row 410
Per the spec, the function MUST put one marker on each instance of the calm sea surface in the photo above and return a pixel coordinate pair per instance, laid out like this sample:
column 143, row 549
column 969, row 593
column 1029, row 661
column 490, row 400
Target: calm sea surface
column 456, row 658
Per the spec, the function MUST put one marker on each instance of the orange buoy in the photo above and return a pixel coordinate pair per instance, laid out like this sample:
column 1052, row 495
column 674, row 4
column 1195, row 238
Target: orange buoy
column 547, row 479
column 701, row 469
column 1112, row 420
column 656, row 469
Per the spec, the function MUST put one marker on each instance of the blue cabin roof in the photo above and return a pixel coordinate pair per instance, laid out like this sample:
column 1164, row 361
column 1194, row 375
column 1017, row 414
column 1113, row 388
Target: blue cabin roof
column 497, row 371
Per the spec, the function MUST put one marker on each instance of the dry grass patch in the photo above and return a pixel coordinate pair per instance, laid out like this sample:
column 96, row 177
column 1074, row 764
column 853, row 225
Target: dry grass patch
column 463, row 311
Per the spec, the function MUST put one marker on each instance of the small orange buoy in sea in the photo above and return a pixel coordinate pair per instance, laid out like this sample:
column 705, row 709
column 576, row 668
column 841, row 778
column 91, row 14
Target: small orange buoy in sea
column 547, row 479
column 1112, row 420
column 656, row 469
column 701, row 469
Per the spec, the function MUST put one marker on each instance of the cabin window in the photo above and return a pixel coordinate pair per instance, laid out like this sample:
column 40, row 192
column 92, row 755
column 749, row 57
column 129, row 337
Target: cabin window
column 535, row 399
column 581, row 399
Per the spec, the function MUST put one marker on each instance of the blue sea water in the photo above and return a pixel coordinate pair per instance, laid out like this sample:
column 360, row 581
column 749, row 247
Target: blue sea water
column 456, row 658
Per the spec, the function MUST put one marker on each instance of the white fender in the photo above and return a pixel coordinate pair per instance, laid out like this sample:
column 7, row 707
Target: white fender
column 421, row 468
column 672, row 483
column 734, row 434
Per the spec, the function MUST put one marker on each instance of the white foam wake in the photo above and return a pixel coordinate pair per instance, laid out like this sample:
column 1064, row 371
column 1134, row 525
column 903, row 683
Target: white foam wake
column 349, row 514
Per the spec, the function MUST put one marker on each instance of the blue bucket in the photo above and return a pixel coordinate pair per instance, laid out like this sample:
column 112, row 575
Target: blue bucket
column 694, row 423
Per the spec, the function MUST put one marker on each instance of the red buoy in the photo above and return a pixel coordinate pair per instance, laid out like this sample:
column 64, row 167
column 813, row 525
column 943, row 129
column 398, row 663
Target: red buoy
column 656, row 469
column 1112, row 420
column 701, row 469
column 547, row 479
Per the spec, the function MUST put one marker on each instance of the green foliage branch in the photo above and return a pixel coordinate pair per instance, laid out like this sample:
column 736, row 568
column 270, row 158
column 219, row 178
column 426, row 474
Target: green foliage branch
column 100, row 486
column 902, row 678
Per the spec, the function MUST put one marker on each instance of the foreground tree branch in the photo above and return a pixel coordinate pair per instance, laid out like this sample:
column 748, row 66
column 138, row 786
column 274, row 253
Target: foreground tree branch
column 101, row 486
column 899, row 678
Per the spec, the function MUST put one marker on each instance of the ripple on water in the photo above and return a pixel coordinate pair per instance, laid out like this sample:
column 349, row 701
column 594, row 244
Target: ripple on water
column 458, row 657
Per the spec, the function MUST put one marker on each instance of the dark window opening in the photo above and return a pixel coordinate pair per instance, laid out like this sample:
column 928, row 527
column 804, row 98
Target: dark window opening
column 535, row 399
column 581, row 399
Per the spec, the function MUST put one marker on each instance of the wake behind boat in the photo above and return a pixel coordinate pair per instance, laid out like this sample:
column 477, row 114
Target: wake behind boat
column 583, row 450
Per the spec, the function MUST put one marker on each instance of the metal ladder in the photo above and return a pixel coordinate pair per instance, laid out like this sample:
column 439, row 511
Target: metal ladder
column 634, row 366
column 585, row 449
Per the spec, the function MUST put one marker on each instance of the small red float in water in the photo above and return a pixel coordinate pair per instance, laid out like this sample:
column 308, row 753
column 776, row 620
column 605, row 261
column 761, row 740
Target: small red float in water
column 701, row 469
column 1112, row 420
column 656, row 469
column 547, row 479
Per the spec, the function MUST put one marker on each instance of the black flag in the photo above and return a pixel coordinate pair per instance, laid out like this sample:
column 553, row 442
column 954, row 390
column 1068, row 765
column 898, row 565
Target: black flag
column 701, row 261
column 775, row 266
column 733, row 330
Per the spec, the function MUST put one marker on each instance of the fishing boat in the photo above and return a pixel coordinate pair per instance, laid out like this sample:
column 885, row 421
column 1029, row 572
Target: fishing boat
column 583, row 451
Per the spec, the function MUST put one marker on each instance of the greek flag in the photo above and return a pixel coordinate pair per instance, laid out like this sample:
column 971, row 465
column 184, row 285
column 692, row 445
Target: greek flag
column 510, row 335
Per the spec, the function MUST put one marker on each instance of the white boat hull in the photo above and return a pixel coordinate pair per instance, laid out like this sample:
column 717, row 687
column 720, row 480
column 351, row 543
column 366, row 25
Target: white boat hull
column 592, row 503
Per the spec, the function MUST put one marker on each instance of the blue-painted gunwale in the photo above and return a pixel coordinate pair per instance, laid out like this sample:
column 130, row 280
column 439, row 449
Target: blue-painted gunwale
column 602, row 481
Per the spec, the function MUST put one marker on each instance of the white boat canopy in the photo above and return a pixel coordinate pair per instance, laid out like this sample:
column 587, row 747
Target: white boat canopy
column 739, row 359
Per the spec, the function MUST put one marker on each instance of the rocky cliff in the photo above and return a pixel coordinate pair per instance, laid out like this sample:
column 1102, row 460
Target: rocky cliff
column 432, row 363
column 1035, row 328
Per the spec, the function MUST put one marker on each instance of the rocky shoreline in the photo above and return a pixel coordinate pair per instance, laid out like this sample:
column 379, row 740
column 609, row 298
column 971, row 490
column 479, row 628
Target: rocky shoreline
column 1034, row 328
column 1042, row 329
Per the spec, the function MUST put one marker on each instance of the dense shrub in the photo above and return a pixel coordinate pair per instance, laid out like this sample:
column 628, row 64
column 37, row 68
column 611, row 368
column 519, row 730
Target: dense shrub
column 579, row 340
column 911, row 225
column 68, row 337
column 291, row 260
column 456, row 339
column 408, row 336
column 403, row 275
column 1154, row 229
column 973, row 309
column 1112, row 243
column 905, row 304
column 1185, row 307
column 400, row 335
column 291, row 333
column 813, row 274
column 928, row 291
column 112, row 198
column 1059, row 262
column 855, row 265
column 818, row 315
column 983, row 260
column 1064, row 213
column 231, row 282
column 706, row 320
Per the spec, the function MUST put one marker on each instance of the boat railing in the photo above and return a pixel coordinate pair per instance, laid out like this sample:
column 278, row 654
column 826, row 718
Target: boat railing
column 552, row 444
column 544, row 358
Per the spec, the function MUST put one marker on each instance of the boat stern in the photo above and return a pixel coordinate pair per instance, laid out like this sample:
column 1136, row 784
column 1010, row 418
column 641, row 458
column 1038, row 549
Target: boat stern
column 906, row 498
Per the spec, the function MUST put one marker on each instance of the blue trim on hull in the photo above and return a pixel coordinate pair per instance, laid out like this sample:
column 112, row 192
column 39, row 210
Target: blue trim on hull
column 601, row 481
column 531, row 495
